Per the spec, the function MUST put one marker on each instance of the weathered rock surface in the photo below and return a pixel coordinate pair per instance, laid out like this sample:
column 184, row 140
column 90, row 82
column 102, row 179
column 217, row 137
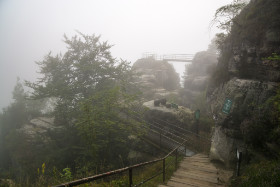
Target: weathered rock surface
column 247, row 76
column 196, row 82
column 39, row 127
column 157, row 78
column 247, row 96
column 244, row 93
column 223, row 147
column 181, row 116
column 198, row 74
column 249, row 62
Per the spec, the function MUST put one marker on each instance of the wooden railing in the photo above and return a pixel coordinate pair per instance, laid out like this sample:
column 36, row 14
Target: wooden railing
column 130, row 170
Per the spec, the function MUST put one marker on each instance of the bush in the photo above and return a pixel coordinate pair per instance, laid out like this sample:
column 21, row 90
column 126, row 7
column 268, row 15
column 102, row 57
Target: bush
column 266, row 173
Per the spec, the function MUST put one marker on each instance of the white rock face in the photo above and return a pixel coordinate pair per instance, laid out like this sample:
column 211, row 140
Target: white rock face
column 39, row 127
column 245, row 95
column 222, row 146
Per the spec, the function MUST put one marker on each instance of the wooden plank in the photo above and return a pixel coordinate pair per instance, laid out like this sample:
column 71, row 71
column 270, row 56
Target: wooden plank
column 189, row 167
column 192, row 182
column 179, row 184
column 197, row 164
column 211, row 167
column 197, row 177
column 197, row 172
column 207, row 162
column 197, row 158
column 200, row 156
column 197, row 161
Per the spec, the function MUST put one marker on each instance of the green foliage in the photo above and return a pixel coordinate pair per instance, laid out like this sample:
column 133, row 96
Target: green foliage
column 105, row 125
column 66, row 175
column 13, row 145
column 274, row 104
column 93, row 95
column 220, row 73
column 260, row 122
column 225, row 15
column 273, row 57
column 206, row 122
column 256, row 25
column 74, row 76
column 141, row 174
column 263, row 174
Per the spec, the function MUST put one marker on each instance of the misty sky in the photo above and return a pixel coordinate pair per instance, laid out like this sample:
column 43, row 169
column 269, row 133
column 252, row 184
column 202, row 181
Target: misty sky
column 29, row 29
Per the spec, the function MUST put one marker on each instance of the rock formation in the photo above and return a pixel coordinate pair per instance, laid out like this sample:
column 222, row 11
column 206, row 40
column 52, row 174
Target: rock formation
column 158, row 78
column 197, row 75
column 248, row 77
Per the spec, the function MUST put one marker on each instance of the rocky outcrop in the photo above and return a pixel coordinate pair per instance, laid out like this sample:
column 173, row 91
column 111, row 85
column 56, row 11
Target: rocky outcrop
column 158, row 78
column 179, row 115
column 197, row 75
column 247, row 78
column 247, row 97
column 40, row 127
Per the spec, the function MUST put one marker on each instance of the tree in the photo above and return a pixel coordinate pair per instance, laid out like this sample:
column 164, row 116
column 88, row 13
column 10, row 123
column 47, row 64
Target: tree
column 94, row 92
column 75, row 76
column 224, row 16
column 105, row 125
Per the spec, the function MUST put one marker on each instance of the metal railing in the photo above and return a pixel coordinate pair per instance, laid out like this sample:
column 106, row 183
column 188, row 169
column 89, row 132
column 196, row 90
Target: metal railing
column 170, row 57
column 130, row 170
column 197, row 142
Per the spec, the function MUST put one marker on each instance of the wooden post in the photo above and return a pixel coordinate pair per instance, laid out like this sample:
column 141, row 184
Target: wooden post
column 163, row 170
column 130, row 177
column 239, row 157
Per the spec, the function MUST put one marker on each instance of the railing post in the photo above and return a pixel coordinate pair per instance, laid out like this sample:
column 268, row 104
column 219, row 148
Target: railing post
column 163, row 170
column 176, row 158
column 130, row 177
column 239, row 157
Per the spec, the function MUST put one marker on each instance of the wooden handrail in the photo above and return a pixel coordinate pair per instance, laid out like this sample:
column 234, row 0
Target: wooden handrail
column 118, row 171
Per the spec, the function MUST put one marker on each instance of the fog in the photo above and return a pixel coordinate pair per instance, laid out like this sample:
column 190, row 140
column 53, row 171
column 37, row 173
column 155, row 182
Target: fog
column 32, row 28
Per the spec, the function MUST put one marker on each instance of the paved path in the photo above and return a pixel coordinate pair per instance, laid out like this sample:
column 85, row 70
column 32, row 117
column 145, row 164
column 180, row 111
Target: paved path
column 195, row 171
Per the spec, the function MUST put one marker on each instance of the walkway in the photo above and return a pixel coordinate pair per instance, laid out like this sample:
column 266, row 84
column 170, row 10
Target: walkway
column 195, row 171
column 170, row 57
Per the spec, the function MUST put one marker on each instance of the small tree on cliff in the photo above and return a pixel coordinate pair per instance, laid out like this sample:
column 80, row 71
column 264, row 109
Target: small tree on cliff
column 224, row 16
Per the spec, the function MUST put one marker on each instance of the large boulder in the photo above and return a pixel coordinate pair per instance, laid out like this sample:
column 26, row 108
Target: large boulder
column 223, row 147
column 247, row 96
column 181, row 116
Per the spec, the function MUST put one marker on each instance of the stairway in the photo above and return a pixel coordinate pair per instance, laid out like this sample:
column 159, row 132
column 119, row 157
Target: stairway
column 195, row 171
